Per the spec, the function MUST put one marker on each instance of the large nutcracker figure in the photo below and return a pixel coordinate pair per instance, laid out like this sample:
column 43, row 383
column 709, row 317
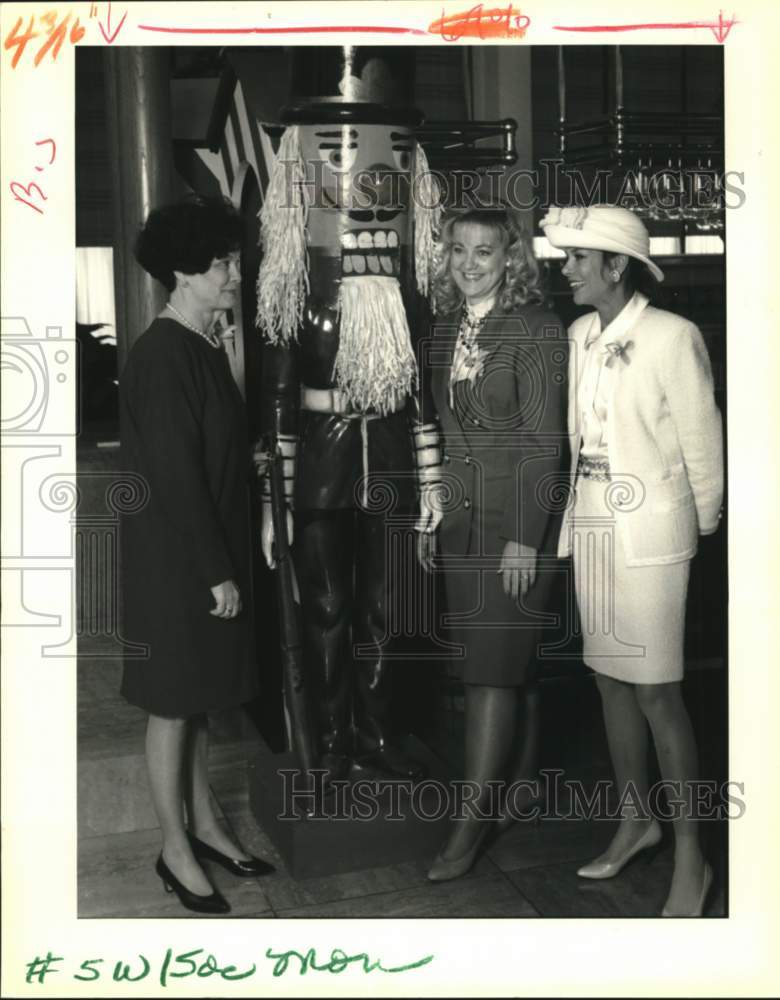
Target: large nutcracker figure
column 347, row 233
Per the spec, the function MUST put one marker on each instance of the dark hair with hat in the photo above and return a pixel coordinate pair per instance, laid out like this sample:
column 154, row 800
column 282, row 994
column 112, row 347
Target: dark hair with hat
column 187, row 236
column 638, row 278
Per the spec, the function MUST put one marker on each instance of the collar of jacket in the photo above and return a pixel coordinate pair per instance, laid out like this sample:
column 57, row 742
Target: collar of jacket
column 621, row 326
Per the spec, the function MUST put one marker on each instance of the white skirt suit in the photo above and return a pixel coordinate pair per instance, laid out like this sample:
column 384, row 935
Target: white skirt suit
column 632, row 536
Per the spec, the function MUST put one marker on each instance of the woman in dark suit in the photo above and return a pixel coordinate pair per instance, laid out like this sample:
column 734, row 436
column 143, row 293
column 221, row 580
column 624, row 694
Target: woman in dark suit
column 185, row 553
column 498, row 384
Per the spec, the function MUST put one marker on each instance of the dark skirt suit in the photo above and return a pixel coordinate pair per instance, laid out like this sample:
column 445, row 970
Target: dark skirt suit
column 505, row 452
column 184, row 431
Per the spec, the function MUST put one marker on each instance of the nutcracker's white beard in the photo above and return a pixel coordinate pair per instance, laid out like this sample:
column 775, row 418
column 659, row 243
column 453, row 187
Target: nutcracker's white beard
column 375, row 366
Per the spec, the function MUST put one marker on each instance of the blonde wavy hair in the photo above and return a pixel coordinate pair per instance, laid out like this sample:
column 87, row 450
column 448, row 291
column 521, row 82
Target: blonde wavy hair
column 521, row 285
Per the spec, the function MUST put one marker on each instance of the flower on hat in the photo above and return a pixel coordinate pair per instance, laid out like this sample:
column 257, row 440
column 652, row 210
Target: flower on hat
column 572, row 217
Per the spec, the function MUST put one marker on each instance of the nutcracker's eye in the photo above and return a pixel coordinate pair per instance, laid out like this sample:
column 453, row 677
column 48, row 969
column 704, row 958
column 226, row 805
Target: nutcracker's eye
column 402, row 156
column 338, row 148
column 403, row 147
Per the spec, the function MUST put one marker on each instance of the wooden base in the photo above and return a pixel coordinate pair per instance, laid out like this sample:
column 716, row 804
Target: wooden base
column 368, row 822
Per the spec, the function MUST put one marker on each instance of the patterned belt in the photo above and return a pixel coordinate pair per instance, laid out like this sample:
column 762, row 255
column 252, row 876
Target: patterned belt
column 593, row 468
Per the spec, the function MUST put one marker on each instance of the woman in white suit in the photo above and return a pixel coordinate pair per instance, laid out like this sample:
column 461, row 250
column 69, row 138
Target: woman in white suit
column 647, row 463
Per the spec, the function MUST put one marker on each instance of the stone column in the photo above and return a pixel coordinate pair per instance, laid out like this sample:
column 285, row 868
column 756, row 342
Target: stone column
column 139, row 115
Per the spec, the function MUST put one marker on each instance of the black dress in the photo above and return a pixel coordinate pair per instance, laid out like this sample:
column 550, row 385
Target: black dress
column 505, row 462
column 184, row 431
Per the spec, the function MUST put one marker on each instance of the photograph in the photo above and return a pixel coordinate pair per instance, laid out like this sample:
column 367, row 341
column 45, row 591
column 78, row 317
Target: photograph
column 372, row 543
column 513, row 738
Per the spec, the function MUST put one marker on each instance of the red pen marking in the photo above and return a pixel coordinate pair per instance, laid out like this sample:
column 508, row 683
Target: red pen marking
column 16, row 184
column 719, row 28
column 77, row 32
column 20, row 41
column 370, row 29
column 56, row 35
column 106, row 32
column 496, row 22
column 43, row 142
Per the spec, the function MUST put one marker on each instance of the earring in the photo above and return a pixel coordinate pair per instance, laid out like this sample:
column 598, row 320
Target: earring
column 616, row 275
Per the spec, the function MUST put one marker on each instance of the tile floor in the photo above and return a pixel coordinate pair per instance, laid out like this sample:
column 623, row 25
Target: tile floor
column 530, row 871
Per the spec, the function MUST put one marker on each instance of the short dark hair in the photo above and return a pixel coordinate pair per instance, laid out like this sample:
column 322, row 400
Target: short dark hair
column 187, row 236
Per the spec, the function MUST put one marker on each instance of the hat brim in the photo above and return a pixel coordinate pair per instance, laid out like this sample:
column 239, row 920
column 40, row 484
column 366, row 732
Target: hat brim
column 564, row 236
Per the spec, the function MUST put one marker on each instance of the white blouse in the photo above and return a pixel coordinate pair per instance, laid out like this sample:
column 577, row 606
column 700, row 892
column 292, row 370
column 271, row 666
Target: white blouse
column 596, row 374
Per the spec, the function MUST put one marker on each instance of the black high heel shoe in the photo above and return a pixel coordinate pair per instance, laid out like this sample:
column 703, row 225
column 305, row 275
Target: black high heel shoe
column 253, row 868
column 215, row 903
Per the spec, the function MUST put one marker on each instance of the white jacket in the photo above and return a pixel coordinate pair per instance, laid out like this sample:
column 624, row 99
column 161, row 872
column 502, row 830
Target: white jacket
column 664, row 434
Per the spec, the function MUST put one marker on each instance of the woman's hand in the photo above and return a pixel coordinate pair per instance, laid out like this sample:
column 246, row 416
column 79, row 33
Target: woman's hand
column 518, row 567
column 227, row 600
column 427, row 524
column 431, row 510
column 267, row 534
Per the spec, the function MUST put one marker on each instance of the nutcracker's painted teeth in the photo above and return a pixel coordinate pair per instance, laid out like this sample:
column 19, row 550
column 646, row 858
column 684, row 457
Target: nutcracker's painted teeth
column 370, row 251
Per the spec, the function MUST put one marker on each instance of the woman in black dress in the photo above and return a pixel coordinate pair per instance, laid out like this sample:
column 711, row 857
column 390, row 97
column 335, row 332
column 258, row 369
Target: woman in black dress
column 185, row 554
column 499, row 391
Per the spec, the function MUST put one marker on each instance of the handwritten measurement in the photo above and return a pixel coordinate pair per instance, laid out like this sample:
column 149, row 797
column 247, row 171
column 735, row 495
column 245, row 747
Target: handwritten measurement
column 53, row 33
column 202, row 965
column 17, row 186
column 495, row 22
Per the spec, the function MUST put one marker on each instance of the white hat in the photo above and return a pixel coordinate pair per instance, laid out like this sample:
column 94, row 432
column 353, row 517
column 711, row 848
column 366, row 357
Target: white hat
column 600, row 227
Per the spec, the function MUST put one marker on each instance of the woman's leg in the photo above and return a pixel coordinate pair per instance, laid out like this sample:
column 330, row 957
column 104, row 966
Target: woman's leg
column 678, row 759
column 166, row 741
column 627, row 739
column 490, row 728
column 524, row 762
column 200, row 810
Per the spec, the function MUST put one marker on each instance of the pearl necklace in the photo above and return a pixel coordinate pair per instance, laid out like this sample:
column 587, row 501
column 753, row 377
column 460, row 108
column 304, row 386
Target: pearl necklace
column 208, row 337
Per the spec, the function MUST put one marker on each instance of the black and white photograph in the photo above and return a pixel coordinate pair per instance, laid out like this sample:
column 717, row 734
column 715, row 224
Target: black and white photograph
column 385, row 541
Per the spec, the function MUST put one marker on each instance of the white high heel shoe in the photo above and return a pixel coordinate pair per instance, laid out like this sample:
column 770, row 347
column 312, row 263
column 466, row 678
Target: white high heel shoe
column 705, row 891
column 609, row 869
